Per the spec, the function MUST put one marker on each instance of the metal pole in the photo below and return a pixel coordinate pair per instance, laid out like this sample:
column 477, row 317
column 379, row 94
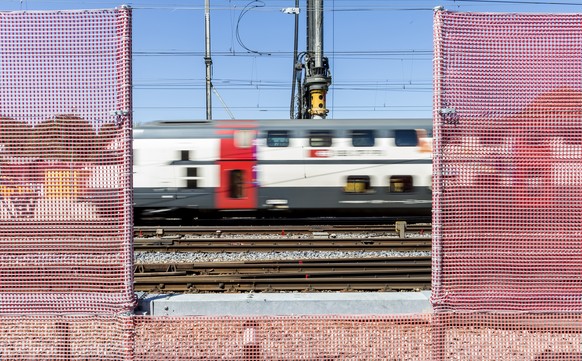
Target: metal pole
column 208, row 60
column 317, row 78
column 305, row 91
column 295, row 70
column 310, row 26
column 318, row 32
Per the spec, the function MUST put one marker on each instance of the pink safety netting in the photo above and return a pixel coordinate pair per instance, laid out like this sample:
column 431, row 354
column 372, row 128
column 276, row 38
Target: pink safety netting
column 283, row 338
column 507, row 171
column 507, row 221
column 66, row 338
column 506, row 336
column 444, row 336
column 65, row 161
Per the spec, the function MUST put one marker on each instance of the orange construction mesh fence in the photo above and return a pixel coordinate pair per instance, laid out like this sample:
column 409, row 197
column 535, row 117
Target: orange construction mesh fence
column 506, row 336
column 444, row 336
column 507, row 254
column 65, row 161
column 284, row 338
column 507, row 163
column 51, row 337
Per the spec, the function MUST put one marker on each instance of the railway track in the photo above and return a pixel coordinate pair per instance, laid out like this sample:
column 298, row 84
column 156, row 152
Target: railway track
column 280, row 244
column 167, row 234
column 362, row 274
column 405, row 272
column 397, row 227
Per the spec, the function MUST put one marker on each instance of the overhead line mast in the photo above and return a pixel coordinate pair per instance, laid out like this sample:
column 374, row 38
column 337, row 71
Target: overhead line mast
column 208, row 60
column 317, row 77
column 311, row 100
column 297, row 66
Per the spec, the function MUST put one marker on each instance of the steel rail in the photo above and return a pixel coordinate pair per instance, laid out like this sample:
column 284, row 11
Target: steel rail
column 280, row 244
column 169, row 231
column 393, row 273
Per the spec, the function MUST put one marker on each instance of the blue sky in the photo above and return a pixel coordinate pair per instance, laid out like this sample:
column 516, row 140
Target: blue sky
column 380, row 54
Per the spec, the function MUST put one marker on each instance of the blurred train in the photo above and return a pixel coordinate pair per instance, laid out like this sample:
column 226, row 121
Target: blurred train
column 306, row 167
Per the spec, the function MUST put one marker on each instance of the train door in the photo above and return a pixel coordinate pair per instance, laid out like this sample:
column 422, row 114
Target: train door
column 237, row 190
column 237, row 164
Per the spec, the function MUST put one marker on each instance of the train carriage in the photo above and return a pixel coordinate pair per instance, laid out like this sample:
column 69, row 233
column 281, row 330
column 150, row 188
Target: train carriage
column 303, row 167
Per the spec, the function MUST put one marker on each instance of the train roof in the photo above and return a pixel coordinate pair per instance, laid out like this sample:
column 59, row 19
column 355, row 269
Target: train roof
column 204, row 129
column 287, row 122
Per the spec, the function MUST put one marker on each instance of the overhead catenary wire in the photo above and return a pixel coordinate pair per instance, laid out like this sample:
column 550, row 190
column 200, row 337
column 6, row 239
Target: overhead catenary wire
column 275, row 5
column 254, row 4
column 523, row 2
column 418, row 53
column 397, row 55
column 346, row 107
column 368, row 8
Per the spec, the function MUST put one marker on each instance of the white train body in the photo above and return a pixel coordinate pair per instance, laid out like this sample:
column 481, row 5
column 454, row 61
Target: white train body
column 313, row 167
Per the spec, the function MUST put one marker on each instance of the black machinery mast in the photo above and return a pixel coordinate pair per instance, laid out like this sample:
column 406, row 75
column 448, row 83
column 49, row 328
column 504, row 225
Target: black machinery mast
column 311, row 102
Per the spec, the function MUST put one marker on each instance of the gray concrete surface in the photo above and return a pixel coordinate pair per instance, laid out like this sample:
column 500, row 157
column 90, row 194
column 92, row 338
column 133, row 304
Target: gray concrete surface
column 285, row 304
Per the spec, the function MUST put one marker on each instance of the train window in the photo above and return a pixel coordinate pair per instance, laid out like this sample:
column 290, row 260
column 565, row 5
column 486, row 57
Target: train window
column 401, row 184
column 184, row 155
column 358, row 184
column 191, row 178
column 236, row 189
column 277, row 138
column 405, row 138
column 244, row 138
column 363, row 138
column 320, row 138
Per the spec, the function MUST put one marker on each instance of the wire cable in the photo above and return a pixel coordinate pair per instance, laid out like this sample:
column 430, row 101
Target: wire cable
column 250, row 6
